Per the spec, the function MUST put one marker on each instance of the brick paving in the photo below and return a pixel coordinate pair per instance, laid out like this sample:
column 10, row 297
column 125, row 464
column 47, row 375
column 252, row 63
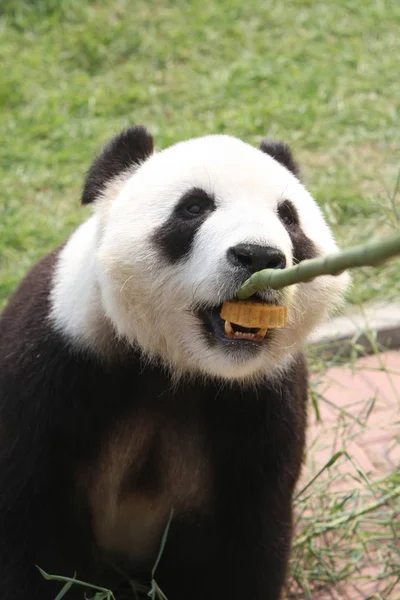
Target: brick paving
column 360, row 410
column 369, row 398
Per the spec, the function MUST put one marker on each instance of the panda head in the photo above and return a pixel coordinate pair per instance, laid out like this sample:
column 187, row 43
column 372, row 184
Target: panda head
column 178, row 231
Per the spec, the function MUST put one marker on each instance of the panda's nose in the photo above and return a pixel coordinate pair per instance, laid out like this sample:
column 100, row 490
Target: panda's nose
column 254, row 258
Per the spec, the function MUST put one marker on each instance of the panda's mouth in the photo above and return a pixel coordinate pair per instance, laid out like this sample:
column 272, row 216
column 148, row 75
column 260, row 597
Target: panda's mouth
column 228, row 332
column 237, row 332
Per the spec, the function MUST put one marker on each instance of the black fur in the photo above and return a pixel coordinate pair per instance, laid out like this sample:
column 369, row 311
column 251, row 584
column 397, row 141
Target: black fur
column 303, row 247
column 282, row 153
column 131, row 147
column 58, row 409
column 175, row 238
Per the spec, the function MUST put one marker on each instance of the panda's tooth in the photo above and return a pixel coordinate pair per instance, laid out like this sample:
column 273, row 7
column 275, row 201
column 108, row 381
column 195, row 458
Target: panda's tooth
column 228, row 329
column 245, row 336
column 260, row 335
column 240, row 335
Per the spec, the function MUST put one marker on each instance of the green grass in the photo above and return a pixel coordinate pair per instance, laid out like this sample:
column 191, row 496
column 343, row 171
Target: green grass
column 321, row 76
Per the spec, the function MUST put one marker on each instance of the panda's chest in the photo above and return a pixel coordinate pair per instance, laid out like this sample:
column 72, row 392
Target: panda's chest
column 146, row 469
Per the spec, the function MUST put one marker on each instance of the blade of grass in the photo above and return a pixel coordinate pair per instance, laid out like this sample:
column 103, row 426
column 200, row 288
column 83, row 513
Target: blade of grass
column 323, row 527
column 330, row 462
column 64, row 589
column 154, row 586
column 73, row 581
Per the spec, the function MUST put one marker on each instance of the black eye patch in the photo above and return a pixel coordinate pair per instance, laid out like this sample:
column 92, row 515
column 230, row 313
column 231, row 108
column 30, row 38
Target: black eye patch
column 288, row 214
column 303, row 247
column 194, row 204
column 175, row 238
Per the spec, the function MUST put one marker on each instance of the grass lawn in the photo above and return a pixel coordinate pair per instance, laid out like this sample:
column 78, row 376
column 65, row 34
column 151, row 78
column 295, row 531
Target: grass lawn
column 322, row 76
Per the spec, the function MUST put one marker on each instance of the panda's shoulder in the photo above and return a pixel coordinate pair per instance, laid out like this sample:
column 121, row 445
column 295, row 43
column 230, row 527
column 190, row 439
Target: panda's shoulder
column 27, row 309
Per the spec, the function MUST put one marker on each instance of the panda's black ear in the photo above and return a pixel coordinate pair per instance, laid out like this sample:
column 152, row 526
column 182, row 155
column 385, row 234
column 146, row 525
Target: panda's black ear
column 131, row 147
column 282, row 153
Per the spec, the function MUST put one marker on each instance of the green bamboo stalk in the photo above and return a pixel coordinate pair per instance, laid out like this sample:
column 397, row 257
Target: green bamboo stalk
column 369, row 254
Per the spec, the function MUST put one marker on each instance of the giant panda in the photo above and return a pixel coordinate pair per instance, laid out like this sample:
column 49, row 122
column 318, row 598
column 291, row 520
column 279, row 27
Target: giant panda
column 124, row 406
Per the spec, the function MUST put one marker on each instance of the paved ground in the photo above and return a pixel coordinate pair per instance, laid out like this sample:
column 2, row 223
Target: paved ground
column 360, row 410
column 369, row 396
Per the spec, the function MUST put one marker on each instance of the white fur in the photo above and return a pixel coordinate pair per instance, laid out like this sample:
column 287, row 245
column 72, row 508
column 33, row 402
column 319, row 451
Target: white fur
column 112, row 279
column 75, row 297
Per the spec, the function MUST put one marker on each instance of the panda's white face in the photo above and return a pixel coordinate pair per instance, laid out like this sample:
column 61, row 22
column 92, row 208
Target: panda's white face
column 174, row 235
column 178, row 236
